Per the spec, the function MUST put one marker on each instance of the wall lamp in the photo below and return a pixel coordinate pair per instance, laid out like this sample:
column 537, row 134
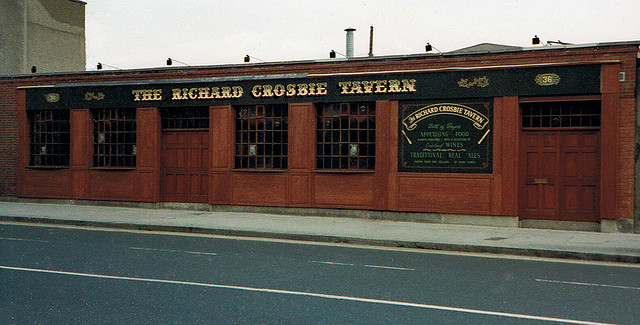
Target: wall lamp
column 99, row 66
column 34, row 69
column 170, row 62
column 429, row 48
column 248, row 58
column 332, row 54
column 536, row 41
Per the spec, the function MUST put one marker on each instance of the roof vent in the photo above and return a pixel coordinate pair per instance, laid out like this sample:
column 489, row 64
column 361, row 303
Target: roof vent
column 350, row 31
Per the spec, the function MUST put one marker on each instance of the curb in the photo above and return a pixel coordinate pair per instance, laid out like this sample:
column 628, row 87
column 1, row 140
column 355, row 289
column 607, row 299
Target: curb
column 532, row 252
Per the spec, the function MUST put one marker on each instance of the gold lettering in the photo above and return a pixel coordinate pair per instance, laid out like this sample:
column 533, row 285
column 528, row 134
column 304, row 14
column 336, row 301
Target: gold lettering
column 303, row 90
column 203, row 93
column 147, row 94
column 215, row 92
column 278, row 90
column 291, row 90
column 267, row 91
column 237, row 91
column 394, row 86
column 356, row 87
column 408, row 85
column 345, row 85
column 381, row 86
column 368, row 86
column 136, row 94
column 226, row 92
column 312, row 89
column 177, row 94
column 193, row 93
column 321, row 88
column 256, row 91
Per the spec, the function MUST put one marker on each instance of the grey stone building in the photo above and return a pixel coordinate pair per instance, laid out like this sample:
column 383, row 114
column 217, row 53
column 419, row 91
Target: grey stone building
column 47, row 34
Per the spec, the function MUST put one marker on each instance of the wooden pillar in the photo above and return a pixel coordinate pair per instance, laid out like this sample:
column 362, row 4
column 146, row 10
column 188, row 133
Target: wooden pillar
column 392, row 161
column 81, row 151
column 221, row 152
column 302, row 153
column 506, row 129
column 148, row 154
column 385, row 161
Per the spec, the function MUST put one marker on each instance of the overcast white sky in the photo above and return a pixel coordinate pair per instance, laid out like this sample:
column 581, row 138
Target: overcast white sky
column 144, row 33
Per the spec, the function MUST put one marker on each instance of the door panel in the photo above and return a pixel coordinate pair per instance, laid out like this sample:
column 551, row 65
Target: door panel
column 185, row 167
column 560, row 175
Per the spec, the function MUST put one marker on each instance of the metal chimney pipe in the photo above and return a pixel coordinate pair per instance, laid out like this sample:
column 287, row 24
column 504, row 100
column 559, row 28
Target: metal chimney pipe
column 371, row 42
column 350, row 31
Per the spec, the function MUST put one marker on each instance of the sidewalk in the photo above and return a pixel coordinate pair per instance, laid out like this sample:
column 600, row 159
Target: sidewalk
column 501, row 240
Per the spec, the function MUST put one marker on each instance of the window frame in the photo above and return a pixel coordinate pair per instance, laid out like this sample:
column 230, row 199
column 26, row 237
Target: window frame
column 340, row 145
column 569, row 114
column 261, row 137
column 118, row 140
column 191, row 118
column 53, row 130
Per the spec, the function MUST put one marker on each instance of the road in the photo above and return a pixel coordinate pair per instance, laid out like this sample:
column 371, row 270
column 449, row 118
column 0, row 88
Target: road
column 65, row 275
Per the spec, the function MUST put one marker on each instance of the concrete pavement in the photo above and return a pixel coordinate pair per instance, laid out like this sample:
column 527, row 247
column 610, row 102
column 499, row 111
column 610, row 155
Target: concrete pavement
column 501, row 240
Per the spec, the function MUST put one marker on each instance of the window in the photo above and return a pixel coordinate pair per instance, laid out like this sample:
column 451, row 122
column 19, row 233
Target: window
column 180, row 118
column 570, row 114
column 346, row 136
column 261, row 136
column 114, row 137
column 50, row 138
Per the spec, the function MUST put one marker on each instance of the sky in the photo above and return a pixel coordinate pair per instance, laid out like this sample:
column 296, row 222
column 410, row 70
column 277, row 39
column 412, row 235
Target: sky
column 144, row 33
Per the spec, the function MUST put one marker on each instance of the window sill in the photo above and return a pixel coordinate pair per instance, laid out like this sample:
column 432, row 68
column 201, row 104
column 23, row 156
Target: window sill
column 113, row 168
column 48, row 167
column 345, row 171
column 257, row 170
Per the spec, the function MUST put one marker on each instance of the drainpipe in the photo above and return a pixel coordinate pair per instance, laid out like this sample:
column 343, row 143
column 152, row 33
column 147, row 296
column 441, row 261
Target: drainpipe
column 636, row 208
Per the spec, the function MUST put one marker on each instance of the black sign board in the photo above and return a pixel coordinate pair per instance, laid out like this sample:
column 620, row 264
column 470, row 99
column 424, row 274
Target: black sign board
column 302, row 87
column 446, row 136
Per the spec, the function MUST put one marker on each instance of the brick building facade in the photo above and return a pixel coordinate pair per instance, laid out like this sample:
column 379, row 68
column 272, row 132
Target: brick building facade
column 542, row 137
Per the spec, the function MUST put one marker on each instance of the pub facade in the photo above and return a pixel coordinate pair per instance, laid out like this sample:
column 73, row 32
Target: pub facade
column 537, row 136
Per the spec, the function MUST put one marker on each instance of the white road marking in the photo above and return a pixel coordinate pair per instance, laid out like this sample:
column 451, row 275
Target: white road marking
column 24, row 239
column 390, row 267
column 365, row 265
column 589, row 284
column 310, row 294
column 171, row 251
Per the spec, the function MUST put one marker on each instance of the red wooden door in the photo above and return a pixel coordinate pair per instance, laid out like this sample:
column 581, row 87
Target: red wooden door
column 185, row 157
column 560, row 175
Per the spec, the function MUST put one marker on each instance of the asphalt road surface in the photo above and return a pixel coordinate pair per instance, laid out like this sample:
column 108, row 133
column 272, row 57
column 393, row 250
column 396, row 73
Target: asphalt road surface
column 64, row 275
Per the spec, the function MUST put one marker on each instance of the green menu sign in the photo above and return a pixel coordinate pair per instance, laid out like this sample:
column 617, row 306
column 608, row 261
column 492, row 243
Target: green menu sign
column 446, row 137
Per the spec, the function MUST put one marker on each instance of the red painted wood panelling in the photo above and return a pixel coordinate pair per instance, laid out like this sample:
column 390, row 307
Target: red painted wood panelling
column 505, row 152
column 299, row 189
column 46, row 183
column 113, row 185
column 268, row 189
column 445, row 194
column 219, row 187
column 221, row 126
column 344, row 190
column 302, row 138
column 81, row 137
